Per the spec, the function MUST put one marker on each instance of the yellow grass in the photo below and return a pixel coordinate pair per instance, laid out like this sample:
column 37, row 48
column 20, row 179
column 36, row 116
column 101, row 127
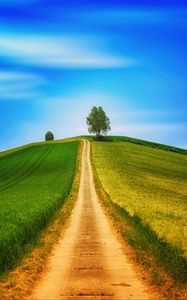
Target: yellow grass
column 150, row 183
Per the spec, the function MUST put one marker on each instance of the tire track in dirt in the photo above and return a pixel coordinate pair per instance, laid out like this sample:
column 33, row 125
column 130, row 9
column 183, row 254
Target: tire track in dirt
column 88, row 262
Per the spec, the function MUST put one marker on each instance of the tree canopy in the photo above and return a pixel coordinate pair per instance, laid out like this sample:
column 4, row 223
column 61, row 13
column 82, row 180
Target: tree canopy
column 49, row 136
column 98, row 122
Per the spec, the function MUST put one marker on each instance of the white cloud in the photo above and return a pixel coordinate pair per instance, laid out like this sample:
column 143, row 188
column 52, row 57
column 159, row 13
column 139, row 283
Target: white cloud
column 129, row 129
column 19, row 85
column 17, row 76
column 17, row 93
column 62, row 51
column 144, row 113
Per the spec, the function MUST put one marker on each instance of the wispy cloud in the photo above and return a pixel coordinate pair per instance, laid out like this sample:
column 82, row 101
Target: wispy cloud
column 19, row 85
column 128, row 129
column 62, row 52
column 145, row 114
column 7, row 76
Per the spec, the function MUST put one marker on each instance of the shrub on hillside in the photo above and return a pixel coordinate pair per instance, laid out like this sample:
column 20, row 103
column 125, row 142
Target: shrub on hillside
column 49, row 136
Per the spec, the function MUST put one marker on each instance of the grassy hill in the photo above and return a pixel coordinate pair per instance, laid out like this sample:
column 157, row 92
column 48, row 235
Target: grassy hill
column 148, row 187
column 34, row 182
column 146, row 184
column 112, row 138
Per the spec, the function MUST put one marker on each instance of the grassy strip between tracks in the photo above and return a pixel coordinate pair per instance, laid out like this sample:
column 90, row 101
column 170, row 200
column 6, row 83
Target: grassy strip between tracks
column 160, row 264
column 18, row 284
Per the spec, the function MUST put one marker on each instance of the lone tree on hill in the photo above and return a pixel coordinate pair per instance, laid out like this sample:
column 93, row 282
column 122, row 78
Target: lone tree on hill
column 49, row 136
column 98, row 122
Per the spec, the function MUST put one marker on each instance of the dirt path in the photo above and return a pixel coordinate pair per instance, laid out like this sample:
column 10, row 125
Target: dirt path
column 88, row 262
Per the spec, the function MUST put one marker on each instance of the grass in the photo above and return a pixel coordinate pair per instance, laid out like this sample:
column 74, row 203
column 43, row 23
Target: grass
column 60, row 141
column 136, row 141
column 19, row 283
column 147, row 187
column 145, row 143
column 34, row 182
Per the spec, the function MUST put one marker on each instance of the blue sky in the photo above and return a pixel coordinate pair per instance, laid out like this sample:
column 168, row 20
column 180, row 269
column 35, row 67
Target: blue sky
column 59, row 58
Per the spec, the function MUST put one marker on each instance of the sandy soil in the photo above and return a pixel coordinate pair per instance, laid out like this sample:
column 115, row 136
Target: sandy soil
column 89, row 261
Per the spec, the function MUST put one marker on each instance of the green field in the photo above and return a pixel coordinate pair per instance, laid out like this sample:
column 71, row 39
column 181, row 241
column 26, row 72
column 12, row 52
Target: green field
column 34, row 182
column 149, row 183
column 113, row 138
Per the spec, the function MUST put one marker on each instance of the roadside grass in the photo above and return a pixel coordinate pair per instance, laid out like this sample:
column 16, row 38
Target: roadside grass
column 34, row 182
column 147, row 190
column 19, row 283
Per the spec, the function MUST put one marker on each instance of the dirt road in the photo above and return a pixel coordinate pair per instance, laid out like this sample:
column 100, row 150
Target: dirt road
column 88, row 262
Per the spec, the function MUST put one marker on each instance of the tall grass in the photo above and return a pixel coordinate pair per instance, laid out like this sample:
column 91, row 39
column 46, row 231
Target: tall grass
column 149, row 188
column 34, row 183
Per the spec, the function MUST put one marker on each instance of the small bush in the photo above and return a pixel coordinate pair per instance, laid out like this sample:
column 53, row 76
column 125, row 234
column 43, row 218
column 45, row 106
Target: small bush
column 49, row 136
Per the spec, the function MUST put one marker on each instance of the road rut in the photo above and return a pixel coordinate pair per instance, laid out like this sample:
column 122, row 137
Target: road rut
column 88, row 262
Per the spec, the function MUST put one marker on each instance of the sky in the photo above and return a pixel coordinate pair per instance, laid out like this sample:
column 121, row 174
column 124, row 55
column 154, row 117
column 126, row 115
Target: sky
column 60, row 58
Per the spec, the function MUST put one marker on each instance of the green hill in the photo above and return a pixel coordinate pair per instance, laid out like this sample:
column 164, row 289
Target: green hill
column 112, row 138
column 34, row 182
column 148, row 187
column 146, row 184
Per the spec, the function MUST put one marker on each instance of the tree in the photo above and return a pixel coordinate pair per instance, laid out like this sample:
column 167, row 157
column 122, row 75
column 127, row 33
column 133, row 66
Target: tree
column 98, row 122
column 49, row 136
